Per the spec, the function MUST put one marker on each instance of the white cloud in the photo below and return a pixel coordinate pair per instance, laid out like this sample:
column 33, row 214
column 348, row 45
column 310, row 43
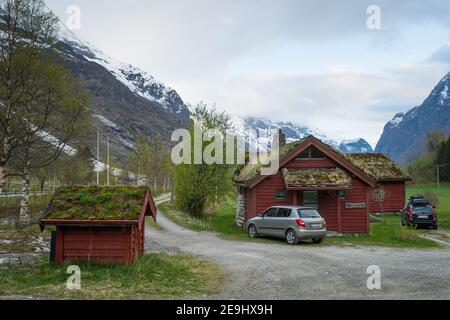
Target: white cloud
column 312, row 61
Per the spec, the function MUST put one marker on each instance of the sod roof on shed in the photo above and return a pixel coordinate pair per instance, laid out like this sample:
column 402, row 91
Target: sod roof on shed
column 97, row 203
column 316, row 178
column 377, row 166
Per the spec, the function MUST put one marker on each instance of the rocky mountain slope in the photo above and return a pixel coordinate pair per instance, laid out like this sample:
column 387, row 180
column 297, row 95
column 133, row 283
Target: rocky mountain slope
column 404, row 136
column 293, row 132
column 126, row 101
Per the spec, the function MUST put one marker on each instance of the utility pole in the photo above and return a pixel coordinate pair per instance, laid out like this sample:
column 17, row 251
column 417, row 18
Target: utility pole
column 107, row 166
column 98, row 156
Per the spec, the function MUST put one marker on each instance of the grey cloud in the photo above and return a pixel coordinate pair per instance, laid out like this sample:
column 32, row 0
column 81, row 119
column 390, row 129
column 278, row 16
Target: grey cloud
column 442, row 55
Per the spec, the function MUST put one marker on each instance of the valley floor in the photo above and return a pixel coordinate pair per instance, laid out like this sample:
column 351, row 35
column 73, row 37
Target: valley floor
column 274, row 270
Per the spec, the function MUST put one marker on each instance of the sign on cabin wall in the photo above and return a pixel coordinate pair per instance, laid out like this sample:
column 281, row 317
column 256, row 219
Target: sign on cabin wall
column 355, row 205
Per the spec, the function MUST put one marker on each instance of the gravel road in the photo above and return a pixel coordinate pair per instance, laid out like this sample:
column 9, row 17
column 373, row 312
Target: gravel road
column 278, row 271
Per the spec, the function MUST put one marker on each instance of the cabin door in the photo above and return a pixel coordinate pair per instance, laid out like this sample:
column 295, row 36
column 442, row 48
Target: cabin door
column 311, row 199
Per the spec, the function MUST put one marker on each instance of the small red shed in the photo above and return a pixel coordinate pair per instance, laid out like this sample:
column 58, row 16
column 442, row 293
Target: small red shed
column 314, row 174
column 99, row 224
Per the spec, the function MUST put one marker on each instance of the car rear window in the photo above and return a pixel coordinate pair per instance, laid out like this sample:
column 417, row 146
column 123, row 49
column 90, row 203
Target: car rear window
column 423, row 210
column 308, row 213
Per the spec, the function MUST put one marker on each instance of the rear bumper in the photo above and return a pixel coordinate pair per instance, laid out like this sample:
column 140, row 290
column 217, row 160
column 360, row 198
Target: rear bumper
column 311, row 234
column 422, row 222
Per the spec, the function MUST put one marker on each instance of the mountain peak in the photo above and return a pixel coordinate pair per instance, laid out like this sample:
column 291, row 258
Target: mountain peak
column 138, row 81
column 126, row 101
column 404, row 136
column 293, row 132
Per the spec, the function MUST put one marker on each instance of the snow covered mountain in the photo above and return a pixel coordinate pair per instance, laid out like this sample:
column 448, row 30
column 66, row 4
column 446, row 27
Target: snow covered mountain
column 404, row 136
column 293, row 132
column 125, row 100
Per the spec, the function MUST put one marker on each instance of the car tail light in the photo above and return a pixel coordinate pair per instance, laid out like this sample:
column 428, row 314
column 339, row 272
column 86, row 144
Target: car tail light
column 300, row 223
column 410, row 213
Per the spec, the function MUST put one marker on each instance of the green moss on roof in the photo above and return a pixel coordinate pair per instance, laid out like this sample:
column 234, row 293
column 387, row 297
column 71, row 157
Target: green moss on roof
column 377, row 166
column 97, row 203
column 323, row 177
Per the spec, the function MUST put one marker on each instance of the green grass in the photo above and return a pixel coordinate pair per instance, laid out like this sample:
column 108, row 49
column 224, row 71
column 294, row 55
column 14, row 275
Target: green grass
column 155, row 275
column 443, row 207
column 221, row 221
column 389, row 233
column 10, row 207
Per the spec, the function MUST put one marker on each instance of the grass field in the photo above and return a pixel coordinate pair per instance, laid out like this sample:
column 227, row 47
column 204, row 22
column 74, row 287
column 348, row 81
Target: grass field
column 443, row 207
column 155, row 275
column 10, row 207
column 222, row 221
column 389, row 233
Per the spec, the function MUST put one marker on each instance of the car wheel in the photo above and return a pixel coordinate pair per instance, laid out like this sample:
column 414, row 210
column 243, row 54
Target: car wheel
column 291, row 237
column 435, row 226
column 252, row 231
column 317, row 240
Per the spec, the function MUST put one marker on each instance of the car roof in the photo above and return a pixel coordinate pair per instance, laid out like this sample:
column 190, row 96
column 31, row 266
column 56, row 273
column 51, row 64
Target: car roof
column 292, row 207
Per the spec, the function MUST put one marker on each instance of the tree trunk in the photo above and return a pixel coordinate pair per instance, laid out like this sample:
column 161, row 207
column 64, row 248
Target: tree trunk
column 42, row 184
column 2, row 178
column 25, row 217
column 6, row 149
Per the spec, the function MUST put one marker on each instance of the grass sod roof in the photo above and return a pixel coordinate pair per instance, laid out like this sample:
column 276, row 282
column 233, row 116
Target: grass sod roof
column 377, row 166
column 317, row 178
column 248, row 172
column 97, row 203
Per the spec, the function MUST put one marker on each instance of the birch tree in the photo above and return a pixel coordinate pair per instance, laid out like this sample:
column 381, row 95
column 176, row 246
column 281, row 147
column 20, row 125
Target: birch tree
column 26, row 30
column 44, row 107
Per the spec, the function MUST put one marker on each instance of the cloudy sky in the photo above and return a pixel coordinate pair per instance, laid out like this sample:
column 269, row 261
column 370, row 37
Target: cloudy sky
column 311, row 62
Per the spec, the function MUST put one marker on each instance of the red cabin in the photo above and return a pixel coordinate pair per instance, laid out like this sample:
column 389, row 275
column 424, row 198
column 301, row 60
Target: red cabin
column 99, row 224
column 316, row 175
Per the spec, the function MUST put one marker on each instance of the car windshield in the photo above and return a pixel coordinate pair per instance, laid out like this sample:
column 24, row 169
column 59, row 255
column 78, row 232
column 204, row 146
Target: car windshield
column 308, row 213
column 423, row 210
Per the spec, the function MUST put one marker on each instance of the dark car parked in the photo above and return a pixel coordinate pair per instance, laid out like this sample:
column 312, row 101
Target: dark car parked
column 419, row 212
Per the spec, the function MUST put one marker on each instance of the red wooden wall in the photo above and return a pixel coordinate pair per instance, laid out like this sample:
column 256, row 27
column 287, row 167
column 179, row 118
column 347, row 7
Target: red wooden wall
column 99, row 244
column 355, row 220
column 262, row 197
column 395, row 197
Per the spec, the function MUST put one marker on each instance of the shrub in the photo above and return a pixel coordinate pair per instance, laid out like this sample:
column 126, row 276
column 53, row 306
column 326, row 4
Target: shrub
column 407, row 233
column 432, row 197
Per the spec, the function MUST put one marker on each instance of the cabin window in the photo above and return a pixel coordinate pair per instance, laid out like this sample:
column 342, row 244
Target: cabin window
column 343, row 194
column 311, row 153
column 311, row 199
column 280, row 195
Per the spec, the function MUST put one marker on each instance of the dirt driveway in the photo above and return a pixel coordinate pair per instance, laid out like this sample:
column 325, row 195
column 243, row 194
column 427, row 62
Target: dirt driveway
column 278, row 271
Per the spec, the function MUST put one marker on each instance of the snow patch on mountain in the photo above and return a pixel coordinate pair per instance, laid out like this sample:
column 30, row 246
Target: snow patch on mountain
column 257, row 130
column 107, row 122
column 137, row 80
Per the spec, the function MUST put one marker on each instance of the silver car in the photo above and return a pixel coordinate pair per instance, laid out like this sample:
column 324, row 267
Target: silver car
column 292, row 223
